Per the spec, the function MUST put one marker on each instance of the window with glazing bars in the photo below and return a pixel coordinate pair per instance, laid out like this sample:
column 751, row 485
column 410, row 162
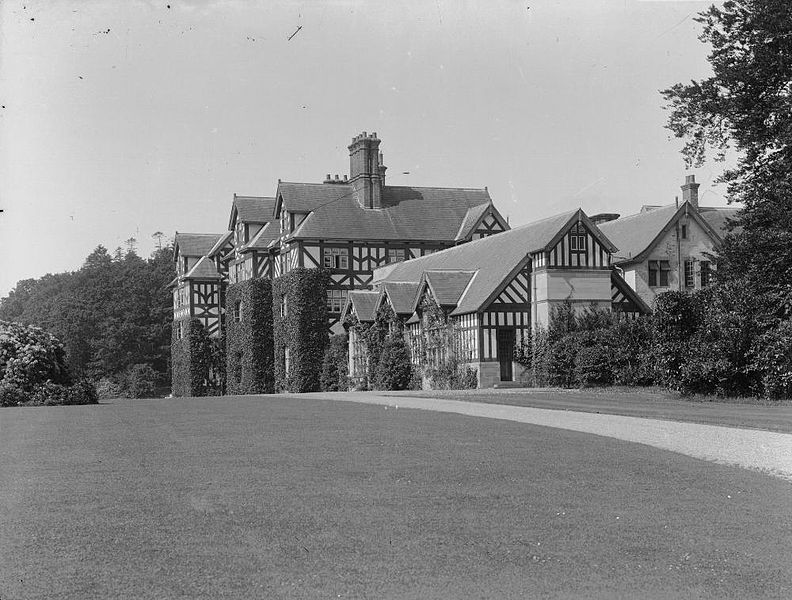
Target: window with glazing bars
column 336, row 258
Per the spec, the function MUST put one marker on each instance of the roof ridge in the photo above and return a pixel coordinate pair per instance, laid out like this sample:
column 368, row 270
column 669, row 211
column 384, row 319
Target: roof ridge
column 640, row 214
column 439, row 187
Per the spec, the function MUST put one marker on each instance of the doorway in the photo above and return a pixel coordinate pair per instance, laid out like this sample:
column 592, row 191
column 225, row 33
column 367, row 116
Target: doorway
column 506, row 353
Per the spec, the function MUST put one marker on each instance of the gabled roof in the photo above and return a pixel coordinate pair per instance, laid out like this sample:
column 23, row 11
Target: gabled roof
column 263, row 239
column 448, row 286
column 194, row 244
column 636, row 235
column 401, row 295
column 407, row 213
column 251, row 209
column 364, row 303
column 716, row 217
column 472, row 217
column 223, row 241
column 203, row 269
column 495, row 259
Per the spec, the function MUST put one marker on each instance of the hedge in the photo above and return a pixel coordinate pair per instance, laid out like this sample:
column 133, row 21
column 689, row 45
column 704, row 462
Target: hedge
column 301, row 329
column 249, row 351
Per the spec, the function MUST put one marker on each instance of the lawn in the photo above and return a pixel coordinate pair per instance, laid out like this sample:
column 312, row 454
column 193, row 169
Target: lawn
column 271, row 497
column 634, row 402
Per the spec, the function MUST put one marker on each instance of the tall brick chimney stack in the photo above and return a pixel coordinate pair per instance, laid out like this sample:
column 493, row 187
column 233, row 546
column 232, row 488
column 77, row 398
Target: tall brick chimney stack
column 366, row 171
column 690, row 190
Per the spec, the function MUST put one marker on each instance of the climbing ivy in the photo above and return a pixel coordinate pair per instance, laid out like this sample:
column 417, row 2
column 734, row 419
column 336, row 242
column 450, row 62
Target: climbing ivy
column 299, row 316
column 249, row 351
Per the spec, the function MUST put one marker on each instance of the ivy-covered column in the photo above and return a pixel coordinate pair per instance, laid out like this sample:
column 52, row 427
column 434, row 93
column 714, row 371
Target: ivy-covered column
column 300, row 326
column 250, row 352
column 196, row 365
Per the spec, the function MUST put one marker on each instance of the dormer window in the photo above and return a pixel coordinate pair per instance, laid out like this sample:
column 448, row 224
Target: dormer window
column 238, row 311
column 336, row 258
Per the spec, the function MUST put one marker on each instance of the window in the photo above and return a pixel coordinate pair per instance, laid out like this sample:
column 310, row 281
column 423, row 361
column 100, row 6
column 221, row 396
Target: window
column 286, row 360
column 395, row 255
column 706, row 273
column 577, row 238
column 684, row 232
column 658, row 273
column 690, row 274
column 336, row 258
column 336, row 300
column 238, row 311
column 179, row 330
column 284, row 306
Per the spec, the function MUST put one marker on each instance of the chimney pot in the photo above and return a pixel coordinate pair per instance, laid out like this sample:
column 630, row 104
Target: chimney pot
column 345, row 178
column 336, row 177
column 364, row 134
column 690, row 190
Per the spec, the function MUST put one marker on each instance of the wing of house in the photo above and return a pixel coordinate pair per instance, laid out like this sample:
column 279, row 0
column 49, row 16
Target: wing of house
column 493, row 291
column 669, row 247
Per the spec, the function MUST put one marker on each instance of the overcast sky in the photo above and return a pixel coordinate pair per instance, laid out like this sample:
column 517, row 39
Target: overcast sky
column 124, row 118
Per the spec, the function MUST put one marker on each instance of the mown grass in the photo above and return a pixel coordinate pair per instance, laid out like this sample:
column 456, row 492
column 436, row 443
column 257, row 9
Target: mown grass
column 284, row 498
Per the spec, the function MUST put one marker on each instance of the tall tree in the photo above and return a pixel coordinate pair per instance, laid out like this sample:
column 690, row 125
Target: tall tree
column 746, row 107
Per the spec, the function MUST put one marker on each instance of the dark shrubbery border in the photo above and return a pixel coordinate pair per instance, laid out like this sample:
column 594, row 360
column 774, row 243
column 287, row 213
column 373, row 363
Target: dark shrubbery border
column 249, row 350
column 302, row 329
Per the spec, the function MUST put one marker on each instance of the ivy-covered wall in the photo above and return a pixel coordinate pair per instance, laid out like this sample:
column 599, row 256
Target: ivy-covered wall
column 249, row 338
column 197, row 364
column 299, row 315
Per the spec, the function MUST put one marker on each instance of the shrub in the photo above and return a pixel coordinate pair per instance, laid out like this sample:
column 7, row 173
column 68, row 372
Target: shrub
column 394, row 368
column 30, row 356
column 83, row 392
column 335, row 365
column 593, row 361
column 108, row 388
column 12, row 395
column 140, row 381
column 631, row 347
column 771, row 357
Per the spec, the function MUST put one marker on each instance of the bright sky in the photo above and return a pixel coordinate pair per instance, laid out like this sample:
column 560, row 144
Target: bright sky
column 124, row 118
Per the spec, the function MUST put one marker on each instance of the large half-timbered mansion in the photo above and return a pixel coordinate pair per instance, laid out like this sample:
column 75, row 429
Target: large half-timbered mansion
column 411, row 246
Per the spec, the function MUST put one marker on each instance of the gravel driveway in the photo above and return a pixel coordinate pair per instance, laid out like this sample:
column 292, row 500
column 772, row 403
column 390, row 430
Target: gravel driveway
column 765, row 451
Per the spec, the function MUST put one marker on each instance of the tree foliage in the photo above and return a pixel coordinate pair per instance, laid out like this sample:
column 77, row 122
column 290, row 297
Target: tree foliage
column 110, row 314
column 746, row 106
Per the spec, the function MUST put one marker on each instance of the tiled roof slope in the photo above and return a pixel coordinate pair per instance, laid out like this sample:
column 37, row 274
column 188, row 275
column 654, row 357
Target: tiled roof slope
column 401, row 295
column 195, row 244
column 221, row 242
column 407, row 213
column 365, row 304
column 469, row 222
column 716, row 216
column 493, row 259
column 264, row 238
column 252, row 209
column 634, row 233
column 448, row 286
column 203, row 269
